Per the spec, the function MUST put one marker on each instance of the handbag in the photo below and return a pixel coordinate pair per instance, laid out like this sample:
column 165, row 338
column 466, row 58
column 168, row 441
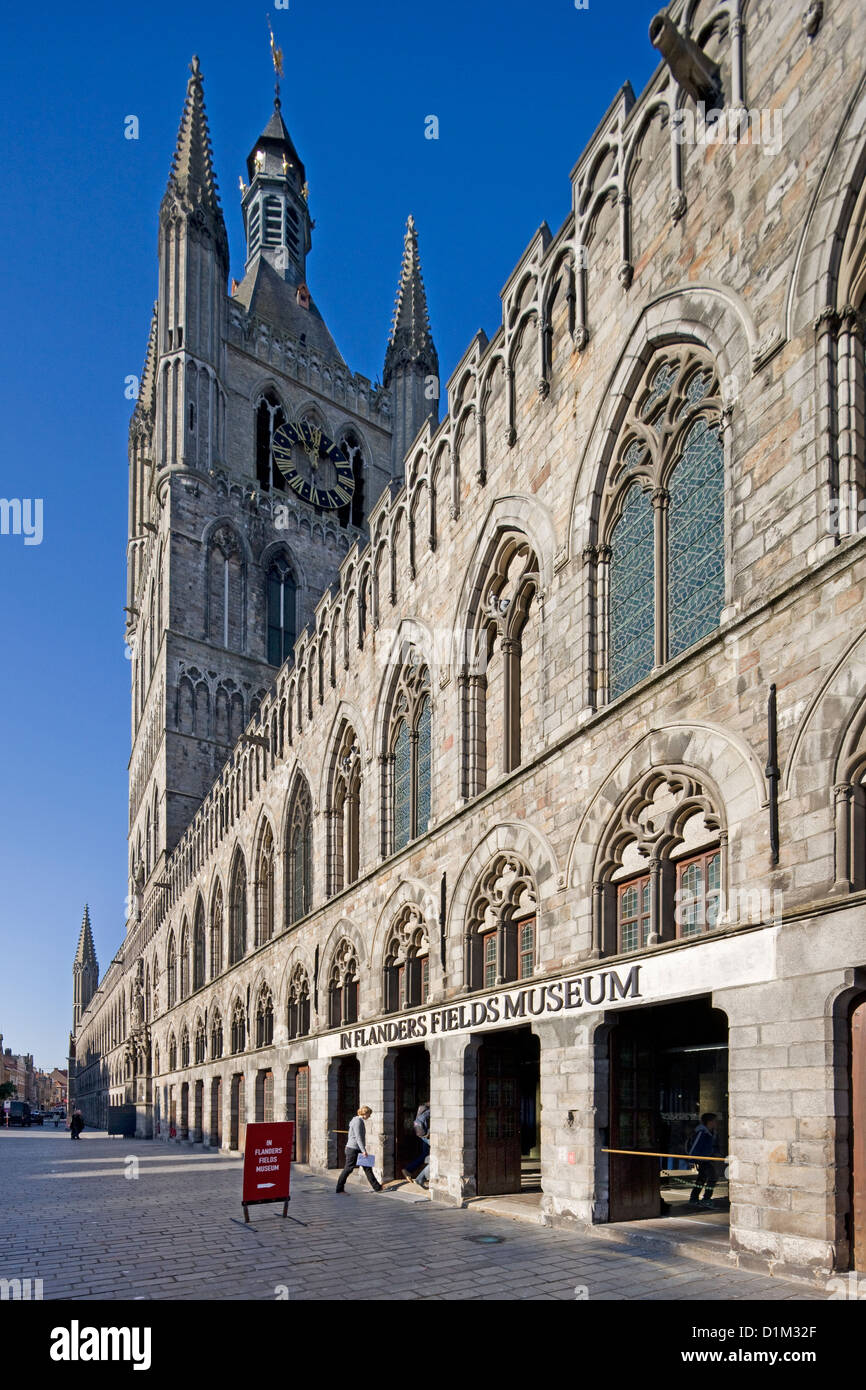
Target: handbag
column 365, row 1160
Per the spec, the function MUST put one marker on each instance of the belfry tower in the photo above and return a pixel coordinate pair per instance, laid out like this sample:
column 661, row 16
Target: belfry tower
column 85, row 971
column 227, row 557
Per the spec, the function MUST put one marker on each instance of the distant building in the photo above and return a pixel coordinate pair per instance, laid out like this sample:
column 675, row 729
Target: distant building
column 19, row 1069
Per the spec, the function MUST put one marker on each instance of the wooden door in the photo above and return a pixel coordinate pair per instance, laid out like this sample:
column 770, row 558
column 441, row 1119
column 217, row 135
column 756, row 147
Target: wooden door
column 348, row 1093
column 498, row 1117
column 242, row 1114
column 302, row 1115
column 198, row 1122
column 858, row 1136
column 216, row 1113
column 635, row 1190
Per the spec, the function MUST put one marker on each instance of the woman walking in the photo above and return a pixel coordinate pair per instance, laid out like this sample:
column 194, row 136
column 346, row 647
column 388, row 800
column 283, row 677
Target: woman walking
column 357, row 1144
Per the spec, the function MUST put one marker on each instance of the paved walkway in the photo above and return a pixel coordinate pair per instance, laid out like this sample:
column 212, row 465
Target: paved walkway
column 127, row 1219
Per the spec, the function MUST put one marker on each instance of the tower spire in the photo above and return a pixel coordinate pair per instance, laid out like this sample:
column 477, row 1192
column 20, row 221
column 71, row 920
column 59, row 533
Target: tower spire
column 85, row 971
column 411, row 361
column 192, row 181
column 86, row 953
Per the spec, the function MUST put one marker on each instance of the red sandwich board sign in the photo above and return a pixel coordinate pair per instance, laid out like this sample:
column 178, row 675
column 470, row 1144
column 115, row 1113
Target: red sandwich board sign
column 267, row 1164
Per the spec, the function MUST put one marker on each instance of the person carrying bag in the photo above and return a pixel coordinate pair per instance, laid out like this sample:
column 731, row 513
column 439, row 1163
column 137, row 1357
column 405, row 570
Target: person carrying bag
column 356, row 1148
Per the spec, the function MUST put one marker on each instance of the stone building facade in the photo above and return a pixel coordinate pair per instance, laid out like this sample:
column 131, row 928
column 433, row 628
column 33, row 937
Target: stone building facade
column 554, row 811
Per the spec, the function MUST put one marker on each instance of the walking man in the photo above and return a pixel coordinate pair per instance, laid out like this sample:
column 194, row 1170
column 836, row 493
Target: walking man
column 357, row 1144
column 704, row 1144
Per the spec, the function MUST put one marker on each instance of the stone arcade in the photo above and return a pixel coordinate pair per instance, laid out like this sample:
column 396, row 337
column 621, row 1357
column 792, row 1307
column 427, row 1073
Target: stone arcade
column 632, row 778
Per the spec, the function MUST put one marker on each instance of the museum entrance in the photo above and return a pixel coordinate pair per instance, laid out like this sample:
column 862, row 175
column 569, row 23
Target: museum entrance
column 411, row 1087
column 344, row 1090
column 668, row 1070
column 509, row 1110
column 302, row 1115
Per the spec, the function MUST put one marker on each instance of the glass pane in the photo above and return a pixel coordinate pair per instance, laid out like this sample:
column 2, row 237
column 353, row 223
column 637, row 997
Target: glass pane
column 696, row 554
column 402, row 772
column 632, row 639
column 424, row 767
column 661, row 385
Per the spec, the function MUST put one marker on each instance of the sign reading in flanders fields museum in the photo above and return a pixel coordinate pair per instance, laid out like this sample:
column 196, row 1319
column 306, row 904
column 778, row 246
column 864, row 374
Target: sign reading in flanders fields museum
column 267, row 1164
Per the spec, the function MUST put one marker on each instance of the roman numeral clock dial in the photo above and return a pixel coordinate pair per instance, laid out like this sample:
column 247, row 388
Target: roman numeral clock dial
column 313, row 465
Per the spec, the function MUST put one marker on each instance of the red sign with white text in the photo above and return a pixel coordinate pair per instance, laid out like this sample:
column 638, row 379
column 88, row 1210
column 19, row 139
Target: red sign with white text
column 268, row 1162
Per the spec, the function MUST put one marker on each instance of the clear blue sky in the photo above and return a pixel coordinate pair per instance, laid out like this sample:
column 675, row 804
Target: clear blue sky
column 517, row 88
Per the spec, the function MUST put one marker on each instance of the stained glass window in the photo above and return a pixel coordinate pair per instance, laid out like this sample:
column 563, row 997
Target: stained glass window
column 661, row 385
column 632, row 605
column 697, row 388
column 424, row 767
column 633, row 455
column 634, row 914
column 402, row 786
column 696, row 562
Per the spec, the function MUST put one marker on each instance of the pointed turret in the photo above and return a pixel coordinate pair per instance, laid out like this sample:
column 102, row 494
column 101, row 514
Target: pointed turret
column 411, row 361
column 193, row 269
column 85, row 971
column 274, row 205
column 192, row 181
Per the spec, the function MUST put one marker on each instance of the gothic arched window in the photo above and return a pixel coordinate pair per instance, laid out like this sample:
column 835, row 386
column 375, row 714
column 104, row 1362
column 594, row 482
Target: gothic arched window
column 299, row 847
column 200, row 1043
column 171, row 972
column 299, row 1003
column 198, row 947
column 216, row 1036
column 265, row 889
column 238, row 912
column 343, row 987
column 282, row 612
column 184, row 1047
column 661, row 562
column 172, row 1053
column 239, row 1028
column 184, row 961
column 499, row 678
column 264, row 1018
column 216, row 932
column 660, row 870
column 501, row 935
column 407, row 962
column 269, row 417
column 226, row 589
column 344, row 811
column 408, row 758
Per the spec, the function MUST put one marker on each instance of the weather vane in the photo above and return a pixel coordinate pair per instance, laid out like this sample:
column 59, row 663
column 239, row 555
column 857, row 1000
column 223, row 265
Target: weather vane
column 277, row 56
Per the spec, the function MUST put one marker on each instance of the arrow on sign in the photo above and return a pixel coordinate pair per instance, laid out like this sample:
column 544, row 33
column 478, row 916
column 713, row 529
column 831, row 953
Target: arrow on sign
column 265, row 1184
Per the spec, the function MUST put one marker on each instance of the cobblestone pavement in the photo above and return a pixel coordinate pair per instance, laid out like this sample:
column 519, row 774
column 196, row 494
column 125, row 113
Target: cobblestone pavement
column 71, row 1217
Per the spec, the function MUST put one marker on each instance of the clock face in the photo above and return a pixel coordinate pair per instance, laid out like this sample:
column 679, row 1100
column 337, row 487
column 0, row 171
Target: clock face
column 312, row 465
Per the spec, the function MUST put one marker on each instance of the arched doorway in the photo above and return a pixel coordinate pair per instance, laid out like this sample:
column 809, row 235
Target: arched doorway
column 302, row 1114
column 668, row 1069
column 198, row 1113
column 858, row 1135
column 411, row 1087
column 238, row 1113
column 184, row 1110
column 216, row 1113
column 344, row 1089
column 508, row 1138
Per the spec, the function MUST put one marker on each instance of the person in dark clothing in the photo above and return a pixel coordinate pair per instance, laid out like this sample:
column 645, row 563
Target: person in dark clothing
column 357, row 1144
column 422, row 1132
column 76, row 1124
column 704, row 1143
